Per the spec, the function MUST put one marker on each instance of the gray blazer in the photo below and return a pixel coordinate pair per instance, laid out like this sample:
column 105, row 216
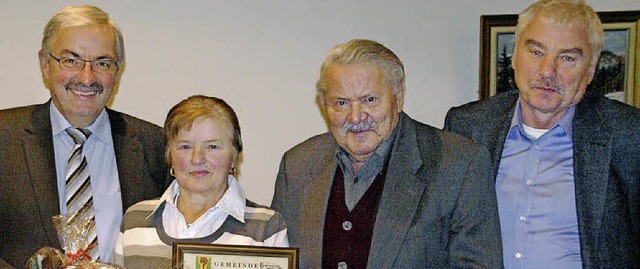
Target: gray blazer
column 28, row 192
column 606, row 151
column 437, row 209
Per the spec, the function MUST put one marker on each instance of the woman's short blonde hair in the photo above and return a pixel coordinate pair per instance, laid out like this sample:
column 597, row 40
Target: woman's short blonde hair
column 182, row 116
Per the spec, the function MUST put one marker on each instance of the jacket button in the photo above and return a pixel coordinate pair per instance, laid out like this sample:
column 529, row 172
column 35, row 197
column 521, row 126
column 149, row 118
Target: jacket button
column 347, row 226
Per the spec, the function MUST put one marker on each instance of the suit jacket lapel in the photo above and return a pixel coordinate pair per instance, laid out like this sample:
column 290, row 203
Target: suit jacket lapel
column 400, row 198
column 126, row 147
column 591, row 159
column 496, row 134
column 38, row 147
column 313, row 219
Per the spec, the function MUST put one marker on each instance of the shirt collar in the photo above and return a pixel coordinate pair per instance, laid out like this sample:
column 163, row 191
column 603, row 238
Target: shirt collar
column 566, row 122
column 100, row 128
column 233, row 200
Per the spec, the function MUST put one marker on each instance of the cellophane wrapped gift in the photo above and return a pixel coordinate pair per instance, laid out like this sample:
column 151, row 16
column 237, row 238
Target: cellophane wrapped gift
column 47, row 258
column 73, row 237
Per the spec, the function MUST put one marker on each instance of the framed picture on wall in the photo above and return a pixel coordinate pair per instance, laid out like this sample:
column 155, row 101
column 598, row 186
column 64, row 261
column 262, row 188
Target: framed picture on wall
column 618, row 72
column 210, row 256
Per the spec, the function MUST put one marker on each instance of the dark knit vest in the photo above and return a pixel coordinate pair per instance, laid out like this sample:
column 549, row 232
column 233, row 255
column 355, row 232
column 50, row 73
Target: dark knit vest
column 347, row 235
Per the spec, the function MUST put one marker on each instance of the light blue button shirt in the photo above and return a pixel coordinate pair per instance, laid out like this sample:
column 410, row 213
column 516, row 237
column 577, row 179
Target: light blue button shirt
column 101, row 160
column 536, row 197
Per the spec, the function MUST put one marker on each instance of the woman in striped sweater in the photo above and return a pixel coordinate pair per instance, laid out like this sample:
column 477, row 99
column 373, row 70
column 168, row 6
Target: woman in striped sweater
column 204, row 203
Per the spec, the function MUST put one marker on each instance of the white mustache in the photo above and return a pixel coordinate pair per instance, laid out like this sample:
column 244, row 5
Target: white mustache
column 366, row 125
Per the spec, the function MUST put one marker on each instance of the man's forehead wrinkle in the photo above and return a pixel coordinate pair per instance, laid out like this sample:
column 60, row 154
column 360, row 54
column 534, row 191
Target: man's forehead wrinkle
column 353, row 88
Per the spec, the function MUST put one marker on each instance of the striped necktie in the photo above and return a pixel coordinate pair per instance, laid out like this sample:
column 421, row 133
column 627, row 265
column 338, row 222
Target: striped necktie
column 79, row 194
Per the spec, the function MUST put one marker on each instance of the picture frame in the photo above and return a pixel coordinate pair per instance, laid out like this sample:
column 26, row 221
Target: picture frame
column 212, row 256
column 618, row 74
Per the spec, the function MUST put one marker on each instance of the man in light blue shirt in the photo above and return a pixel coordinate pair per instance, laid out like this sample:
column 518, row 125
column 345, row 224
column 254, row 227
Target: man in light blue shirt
column 537, row 198
column 81, row 60
column 565, row 160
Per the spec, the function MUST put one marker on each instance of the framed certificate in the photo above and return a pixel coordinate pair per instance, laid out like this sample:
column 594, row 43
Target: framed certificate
column 211, row 256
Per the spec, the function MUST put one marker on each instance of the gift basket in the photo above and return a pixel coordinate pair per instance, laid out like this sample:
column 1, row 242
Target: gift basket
column 73, row 239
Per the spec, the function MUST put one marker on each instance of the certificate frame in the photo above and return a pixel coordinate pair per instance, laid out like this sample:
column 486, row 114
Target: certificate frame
column 187, row 255
column 497, row 33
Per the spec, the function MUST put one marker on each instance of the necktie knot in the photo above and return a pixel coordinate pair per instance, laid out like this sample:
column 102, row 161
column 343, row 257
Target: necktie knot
column 79, row 135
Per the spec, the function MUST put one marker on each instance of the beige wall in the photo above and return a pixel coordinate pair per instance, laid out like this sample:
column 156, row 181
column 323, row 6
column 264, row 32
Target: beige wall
column 263, row 58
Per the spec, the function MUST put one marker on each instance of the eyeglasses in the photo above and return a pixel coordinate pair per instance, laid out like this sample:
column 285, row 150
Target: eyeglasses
column 72, row 64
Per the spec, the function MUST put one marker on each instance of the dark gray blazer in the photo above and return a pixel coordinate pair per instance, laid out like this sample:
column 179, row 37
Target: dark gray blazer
column 437, row 209
column 28, row 188
column 606, row 152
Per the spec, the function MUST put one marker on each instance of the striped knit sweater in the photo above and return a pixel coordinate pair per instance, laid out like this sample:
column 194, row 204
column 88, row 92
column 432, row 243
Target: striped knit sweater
column 147, row 245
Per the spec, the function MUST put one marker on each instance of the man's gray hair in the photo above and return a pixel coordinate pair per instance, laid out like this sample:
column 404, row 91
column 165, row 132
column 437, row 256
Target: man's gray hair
column 565, row 12
column 362, row 51
column 79, row 16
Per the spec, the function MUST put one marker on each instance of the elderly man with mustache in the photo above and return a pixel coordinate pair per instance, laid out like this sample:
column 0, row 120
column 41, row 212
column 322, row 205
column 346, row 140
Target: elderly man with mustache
column 565, row 161
column 382, row 190
column 71, row 155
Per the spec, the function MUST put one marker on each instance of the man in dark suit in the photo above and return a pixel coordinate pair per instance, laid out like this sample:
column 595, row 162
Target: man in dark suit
column 566, row 163
column 81, row 60
column 382, row 190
